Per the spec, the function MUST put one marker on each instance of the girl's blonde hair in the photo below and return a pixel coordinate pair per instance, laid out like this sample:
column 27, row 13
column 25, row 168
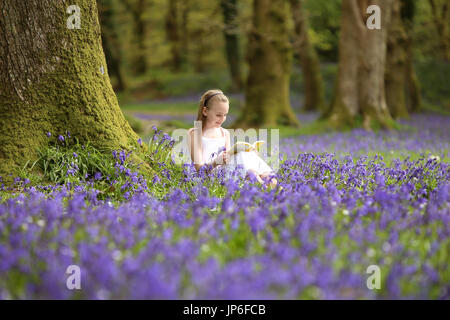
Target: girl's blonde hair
column 206, row 101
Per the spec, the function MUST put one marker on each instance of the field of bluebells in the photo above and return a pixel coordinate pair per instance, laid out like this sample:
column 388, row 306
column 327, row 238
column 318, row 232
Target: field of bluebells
column 349, row 200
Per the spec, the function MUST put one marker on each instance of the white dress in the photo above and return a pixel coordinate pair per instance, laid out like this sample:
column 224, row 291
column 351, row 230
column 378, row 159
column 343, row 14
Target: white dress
column 241, row 161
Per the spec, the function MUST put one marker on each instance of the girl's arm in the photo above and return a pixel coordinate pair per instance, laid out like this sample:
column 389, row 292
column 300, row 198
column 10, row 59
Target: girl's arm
column 227, row 140
column 195, row 148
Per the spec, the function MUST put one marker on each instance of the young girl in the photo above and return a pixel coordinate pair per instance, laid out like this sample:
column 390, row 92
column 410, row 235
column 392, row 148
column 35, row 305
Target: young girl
column 206, row 141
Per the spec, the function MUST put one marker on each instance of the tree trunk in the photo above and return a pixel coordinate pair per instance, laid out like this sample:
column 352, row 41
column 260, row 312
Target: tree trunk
column 345, row 106
column 412, row 89
column 313, row 83
column 54, row 79
column 413, row 94
column 185, row 9
column 230, row 13
column 199, row 49
column 111, row 41
column 396, row 64
column 373, row 48
column 173, row 35
column 137, row 9
column 141, row 62
column 269, row 57
column 441, row 15
column 360, row 86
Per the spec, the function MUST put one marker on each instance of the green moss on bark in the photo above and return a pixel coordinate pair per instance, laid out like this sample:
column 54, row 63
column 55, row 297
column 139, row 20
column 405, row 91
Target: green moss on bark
column 60, row 85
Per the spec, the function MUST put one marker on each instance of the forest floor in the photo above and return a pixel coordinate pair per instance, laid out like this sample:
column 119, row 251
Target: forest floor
column 362, row 215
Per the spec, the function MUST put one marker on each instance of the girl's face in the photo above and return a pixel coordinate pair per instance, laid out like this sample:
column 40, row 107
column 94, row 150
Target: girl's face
column 216, row 114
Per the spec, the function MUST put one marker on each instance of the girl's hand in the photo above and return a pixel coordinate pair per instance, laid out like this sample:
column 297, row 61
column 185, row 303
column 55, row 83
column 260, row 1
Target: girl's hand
column 222, row 158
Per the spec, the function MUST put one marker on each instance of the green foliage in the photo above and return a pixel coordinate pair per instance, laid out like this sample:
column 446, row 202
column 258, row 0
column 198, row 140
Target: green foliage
column 324, row 19
column 433, row 77
column 71, row 163
column 66, row 162
column 424, row 33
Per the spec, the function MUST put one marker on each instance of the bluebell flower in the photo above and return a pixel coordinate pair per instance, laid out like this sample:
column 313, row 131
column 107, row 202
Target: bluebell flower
column 165, row 137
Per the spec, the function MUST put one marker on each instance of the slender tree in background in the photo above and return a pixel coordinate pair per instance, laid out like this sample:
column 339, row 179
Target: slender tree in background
column 174, row 34
column 441, row 17
column 54, row 79
column 360, row 86
column 199, row 49
column 402, row 85
column 138, row 9
column 185, row 10
column 111, row 42
column 413, row 94
column 312, row 79
column 396, row 64
column 269, row 57
column 231, row 31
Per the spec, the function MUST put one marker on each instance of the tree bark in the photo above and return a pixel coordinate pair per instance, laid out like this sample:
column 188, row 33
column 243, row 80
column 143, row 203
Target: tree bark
column 360, row 86
column 313, row 83
column 269, row 56
column 54, row 79
column 373, row 48
column 230, row 13
column 345, row 105
column 396, row 64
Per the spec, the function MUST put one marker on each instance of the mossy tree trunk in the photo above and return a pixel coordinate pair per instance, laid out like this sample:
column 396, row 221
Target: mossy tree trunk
column 269, row 56
column 312, row 79
column 54, row 79
column 231, row 30
column 360, row 89
column 396, row 64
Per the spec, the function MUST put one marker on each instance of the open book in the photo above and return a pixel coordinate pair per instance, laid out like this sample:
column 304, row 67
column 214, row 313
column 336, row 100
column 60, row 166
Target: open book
column 246, row 147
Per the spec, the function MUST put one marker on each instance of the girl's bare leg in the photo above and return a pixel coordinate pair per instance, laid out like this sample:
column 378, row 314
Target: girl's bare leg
column 273, row 181
column 255, row 174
